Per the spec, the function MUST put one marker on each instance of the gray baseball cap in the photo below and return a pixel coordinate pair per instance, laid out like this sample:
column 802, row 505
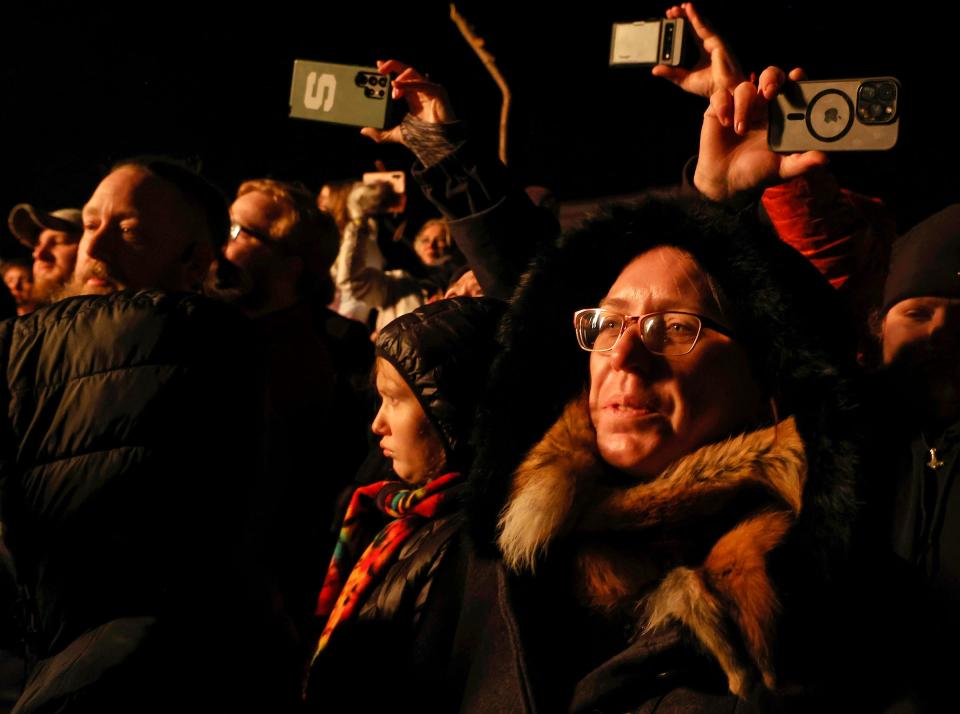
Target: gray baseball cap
column 26, row 222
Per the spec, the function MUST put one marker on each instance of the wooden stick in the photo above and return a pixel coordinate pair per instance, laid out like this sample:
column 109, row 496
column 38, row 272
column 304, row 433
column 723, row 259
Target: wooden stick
column 477, row 43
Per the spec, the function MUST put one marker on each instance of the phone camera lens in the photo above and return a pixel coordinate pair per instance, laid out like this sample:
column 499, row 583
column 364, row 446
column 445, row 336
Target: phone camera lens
column 360, row 80
column 383, row 82
column 877, row 102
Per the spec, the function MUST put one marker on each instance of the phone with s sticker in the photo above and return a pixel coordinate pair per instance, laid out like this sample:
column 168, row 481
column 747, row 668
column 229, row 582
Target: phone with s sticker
column 339, row 93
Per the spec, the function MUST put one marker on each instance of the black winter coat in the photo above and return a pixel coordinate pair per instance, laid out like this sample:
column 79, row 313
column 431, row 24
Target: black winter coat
column 402, row 634
column 531, row 641
column 129, row 456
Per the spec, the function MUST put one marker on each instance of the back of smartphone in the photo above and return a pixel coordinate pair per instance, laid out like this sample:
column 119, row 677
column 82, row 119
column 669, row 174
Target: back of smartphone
column 338, row 93
column 836, row 115
column 648, row 42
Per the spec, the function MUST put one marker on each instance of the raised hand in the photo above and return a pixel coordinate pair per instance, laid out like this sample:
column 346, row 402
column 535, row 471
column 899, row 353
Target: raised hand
column 734, row 156
column 426, row 101
column 716, row 69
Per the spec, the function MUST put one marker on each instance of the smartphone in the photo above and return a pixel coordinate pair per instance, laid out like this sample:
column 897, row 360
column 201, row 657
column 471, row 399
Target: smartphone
column 650, row 42
column 836, row 115
column 397, row 181
column 339, row 93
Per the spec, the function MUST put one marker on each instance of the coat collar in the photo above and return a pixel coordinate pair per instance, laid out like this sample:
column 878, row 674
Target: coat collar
column 560, row 494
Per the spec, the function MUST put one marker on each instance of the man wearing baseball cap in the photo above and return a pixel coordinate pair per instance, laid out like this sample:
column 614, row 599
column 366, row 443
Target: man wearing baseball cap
column 53, row 238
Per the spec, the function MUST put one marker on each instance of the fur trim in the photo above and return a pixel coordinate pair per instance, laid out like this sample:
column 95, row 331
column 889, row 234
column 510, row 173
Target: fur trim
column 728, row 601
column 548, row 485
column 552, row 482
column 771, row 458
column 779, row 303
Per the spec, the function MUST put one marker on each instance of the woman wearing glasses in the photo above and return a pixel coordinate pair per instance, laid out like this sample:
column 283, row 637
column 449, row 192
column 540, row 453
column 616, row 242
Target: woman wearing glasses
column 665, row 489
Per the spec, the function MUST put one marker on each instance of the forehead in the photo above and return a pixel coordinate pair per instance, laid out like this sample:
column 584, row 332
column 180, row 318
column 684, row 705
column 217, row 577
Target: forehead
column 134, row 190
column 660, row 279
column 432, row 231
column 929, row 302
column 388, row 376
column 15, row 269
column 128, row 183
column 58, row 236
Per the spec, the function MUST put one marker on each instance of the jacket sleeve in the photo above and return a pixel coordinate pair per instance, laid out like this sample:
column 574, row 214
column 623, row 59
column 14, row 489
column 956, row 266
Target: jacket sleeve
column 845, row 235
column 823, row 222
column 495, row 225
column 366, row 282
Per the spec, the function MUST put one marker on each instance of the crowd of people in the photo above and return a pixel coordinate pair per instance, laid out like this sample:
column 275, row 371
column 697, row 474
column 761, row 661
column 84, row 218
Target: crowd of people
column 696, row 455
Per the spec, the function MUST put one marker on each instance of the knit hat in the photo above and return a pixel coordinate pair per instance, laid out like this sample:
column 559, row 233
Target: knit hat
column 926, row 260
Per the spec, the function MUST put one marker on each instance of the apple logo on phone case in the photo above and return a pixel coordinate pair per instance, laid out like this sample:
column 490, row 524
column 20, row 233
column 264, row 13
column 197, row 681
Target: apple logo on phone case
column 830, row 115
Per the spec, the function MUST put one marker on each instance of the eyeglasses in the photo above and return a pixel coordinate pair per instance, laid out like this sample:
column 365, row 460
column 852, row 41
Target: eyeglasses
column 236, row 229
column 668, row 333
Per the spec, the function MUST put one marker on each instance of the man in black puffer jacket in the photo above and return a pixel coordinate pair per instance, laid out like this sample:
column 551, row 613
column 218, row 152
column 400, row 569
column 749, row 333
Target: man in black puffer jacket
column 128, row 463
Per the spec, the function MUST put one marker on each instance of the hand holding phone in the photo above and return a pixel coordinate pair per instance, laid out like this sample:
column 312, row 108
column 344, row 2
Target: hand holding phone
column 715, row 66
column 734, row 158
column 426, row 101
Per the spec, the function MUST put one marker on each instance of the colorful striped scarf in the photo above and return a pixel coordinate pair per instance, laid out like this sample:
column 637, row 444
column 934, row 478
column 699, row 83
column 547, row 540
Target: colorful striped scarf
column 350, row 579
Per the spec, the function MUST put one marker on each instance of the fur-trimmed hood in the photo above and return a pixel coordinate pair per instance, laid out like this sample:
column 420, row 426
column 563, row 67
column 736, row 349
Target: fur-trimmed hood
column 623, row 537
column 788, row 321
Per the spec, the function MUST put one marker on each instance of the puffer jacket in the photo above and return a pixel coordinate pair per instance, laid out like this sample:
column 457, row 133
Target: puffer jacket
column 129, row 457
column 400, row 638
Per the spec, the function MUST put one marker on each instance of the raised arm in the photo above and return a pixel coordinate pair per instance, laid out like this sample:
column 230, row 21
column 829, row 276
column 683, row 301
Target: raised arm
column 492, row 221
column 360, row 264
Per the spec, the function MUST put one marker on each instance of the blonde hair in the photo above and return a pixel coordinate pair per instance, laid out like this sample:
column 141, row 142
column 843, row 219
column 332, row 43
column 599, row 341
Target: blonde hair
column 447, row 236
column 302, row 228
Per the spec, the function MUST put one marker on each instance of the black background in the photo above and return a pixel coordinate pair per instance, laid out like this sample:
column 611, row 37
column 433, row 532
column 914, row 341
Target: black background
column 86, row 85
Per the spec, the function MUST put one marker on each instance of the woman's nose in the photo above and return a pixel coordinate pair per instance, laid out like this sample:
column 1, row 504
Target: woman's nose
column 630, row 352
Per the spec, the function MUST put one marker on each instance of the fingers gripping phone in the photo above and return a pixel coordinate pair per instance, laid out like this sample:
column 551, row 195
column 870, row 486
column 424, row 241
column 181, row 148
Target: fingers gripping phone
column 338, row 93
column 836, row 115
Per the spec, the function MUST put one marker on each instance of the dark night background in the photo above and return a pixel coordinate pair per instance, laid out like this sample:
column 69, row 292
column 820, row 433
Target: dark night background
column 85, row 85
